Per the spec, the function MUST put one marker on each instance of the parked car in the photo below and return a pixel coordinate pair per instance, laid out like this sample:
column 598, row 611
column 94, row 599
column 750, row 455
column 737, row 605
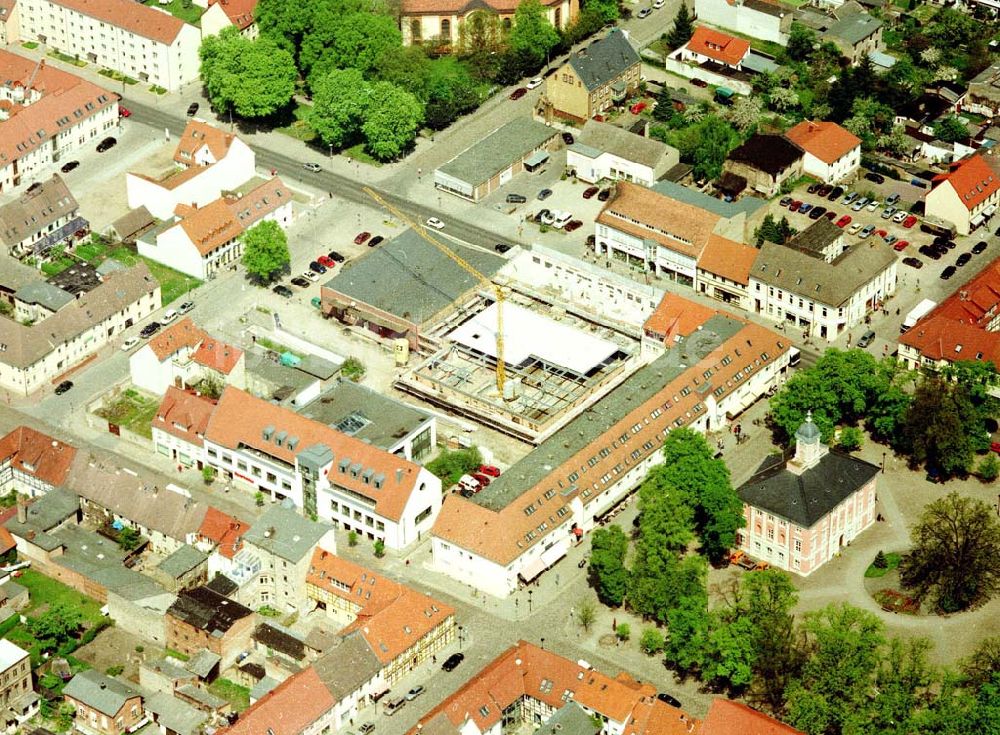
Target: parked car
column 699, row 82
column 892, row 199
column 859, row 204
column 805, row 207
column 948, row 272
column 830, row 215
column 979, row 247
column 824, row 190
column 375, row 242
column 483, row 480
column 812, row 188
column 794, row 206
column 106, row 145
column 192, row 109
column 835, row 193
column 843, row 221
column 124, row 111
column 881, row 233
column 283, row 290
column 785, row 201
column 501, row 247
column 817, row 212
column 326, row 262
column 963, row 259
column 877, row 178
column 872, row 205
column 309, row 276
column 573, row 224
column 366, row 728
column 312, row 166
column 855, row 228
column 913, row 263
column 69, row 166
column 672, row 701
column 546, row 217
column 336, row 257
column 909, row 221
column 544, row 194
column 414, row 693
column 604, row 195
column 149, row 330
column 64, row 387
column 300, row 282
column 851, row 196
column 361, row 237
column 591, row 191
column 317, row 267
column 518, row 93
column 899, row 216
column 561, row 219
column 644, row 13
column 867, row 231
column 900, row 245
column 637, row 108
column 866, row 339
column 451, row 663
column 129, row 343
column 890, row 239
column 185, row 307
column 930, row 252
column 169, row 316
column 888, row 212
column 568, row 138
column 536, row 82
column 658, row 4
column 488, row 469
column 435, row 223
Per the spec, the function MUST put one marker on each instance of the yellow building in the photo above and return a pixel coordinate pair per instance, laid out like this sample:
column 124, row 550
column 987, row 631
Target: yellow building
column 458, row 23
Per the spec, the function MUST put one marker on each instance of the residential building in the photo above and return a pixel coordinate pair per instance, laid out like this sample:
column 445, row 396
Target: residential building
column 325, row 472
column 726, row 717
column 208, row 162
column 528, row 687
column 801, row 513
column 39, row 219
column 604, row 151
column 709, row 372
column 984, row 92
column 201, row 619
column 222, row 534
column 104, row 706
column 724, row 271
column 763, row 19
column 47, row 114
column 817, row 284
column 856, row 34
column 968, row 194
column 200, row 241
column 272, row 564
column 763, row 163
column 660, row 233
column 225, row 13
column 446, row 23
column 33, row 463
column 182, row 355
column 965, row 326
column 180, row 424
column 174, row 716
column 592, row 80
column 709, row 46
column 10, row 22
column 142, row 42
column 31, row 356
column 404, row 628
column 831, row 153
column 403, row 285
column 520, row 145
column 17, row 695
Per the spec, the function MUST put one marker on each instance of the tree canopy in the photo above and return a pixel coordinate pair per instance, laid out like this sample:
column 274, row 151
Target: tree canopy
column 251, row 78
column 265, row 251
column 608, row 547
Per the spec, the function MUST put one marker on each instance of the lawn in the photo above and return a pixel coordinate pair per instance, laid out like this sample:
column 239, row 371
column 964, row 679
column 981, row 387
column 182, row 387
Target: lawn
column 117, row 76
column 186, row 11
column 67, row 58
column 47, row 591
column 238, row 696
column 358, row 153
column 270, row 344
column 173, row 284
column 132, row 411
column 892, row 561
column 299, row 128
column 31, row 45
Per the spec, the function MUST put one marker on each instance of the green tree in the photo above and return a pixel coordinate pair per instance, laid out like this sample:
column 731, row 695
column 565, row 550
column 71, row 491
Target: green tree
column 979, row 667
column 55, row 626
column 623, row 631
column 607, row 564
column 682, row 29
column 950, row 129
column 352, row 538
column 128, row 539
column 880, row 561
column 353, row 369
column 532, row 37
column 358, row 42
column 729, row 656
column 686, row 614
column 772, row 230
column 391, row 121
column 407, row 67
column 939, row 425
column 989, row 468
column 706, row 144
column 208, row 474
column 801, row 42
column 651, row 641
column 265, row 251
column 450, row 465
column 340, row 99
column 251, row 78
column 451, row 92
column 902, row 684
column 850, row 440
column 378, row 548
column 585, row 614
column 955, row 546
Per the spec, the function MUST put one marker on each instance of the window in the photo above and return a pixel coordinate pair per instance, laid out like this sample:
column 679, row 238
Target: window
column 798, row 545
column 445, row 28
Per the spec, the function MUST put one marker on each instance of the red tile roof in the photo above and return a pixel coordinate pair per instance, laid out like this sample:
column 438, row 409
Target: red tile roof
column 290, row 709
column 210, row 226
column 259, row 202
column 734, row 718
column 239, row 12
column 131, row 16
column 391, row 617
column 959, row 328
column 242, row 418
column 217, row 355
column 224, row 530
column 676, row 317
column 973, row 179
column 38, row 455
column 719, row 46
column 826, row 140
column 7, row 541
column 198, row 135
column 728, row 259
column 184, row 414
column 176, row 337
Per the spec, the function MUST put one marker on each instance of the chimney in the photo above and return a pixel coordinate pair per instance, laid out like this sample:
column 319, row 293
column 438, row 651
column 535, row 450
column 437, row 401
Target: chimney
column 22, row 513
column 399, row 475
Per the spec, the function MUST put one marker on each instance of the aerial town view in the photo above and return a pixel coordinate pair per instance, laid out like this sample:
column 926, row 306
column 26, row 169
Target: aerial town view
column 500, row 367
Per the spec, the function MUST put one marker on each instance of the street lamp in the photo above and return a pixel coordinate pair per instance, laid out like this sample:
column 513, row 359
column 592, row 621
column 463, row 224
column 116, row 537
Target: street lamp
column 543, row 644
column 883, row 462
column 529, row 600
column 460, row 638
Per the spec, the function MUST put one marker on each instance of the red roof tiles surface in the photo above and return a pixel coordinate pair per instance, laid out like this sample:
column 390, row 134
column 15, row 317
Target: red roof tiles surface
column 973, row 179
column 826, row 140
column 728, row 259
column 176, row 337
column 239, row 12
column 719, row 46
column 290, row 709
column 184, row 414
column 198, row 135
column 39, row 455
column 224, row 530
column 734, row 718
column 134, row 17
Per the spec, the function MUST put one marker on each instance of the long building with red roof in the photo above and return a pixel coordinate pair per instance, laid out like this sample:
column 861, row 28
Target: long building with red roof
column 967, row 194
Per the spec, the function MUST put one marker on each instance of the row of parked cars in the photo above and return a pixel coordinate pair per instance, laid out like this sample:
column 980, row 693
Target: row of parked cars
column 472, row 482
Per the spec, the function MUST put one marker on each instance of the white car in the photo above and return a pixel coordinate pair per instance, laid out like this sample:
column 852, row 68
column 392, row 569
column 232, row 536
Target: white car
column 644, row 13
column 129, row 343
column 314, row 167
column 536, row 82
column 900, row 216
column 872, row 205
column 658, row 4
column 310, row 276
column 561, row 218
column 435, row 223
column 169, row 316
column 855, row 228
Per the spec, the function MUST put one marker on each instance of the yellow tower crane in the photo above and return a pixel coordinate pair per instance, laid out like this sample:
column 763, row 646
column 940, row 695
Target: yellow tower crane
column 497, row 290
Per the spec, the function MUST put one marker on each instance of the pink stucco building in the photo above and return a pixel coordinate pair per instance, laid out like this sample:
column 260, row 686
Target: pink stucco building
column 801, row 513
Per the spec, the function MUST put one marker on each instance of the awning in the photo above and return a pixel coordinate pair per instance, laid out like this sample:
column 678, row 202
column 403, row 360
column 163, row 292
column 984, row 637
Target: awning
column 551, row 556
column 977, row 220
column 990, row 210
column 537, row 158
column 532, row 569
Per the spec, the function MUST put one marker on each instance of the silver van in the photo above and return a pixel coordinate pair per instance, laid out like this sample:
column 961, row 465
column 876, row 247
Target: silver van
column 392, row 706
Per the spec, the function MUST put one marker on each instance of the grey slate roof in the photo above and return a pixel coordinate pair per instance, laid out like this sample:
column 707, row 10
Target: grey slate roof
column 317, row 367
column 746, row 205
column 804, row 499
column 110, row 265
column 285, row 533
column 359, row 411
column 497, row 151
column 262, row 687
column 44, row 514
column 207, row 610
column 34, row 211
column 177, row 716
column 44, row 294
column 182, row 561
column 604, row 59
column 816, row 236
column 14, row 274
column 410, row 278
column 133, row 222
column 202, row 663
column 619, row 142
column 100, row 692
column 569, row 720
column 828, row 283
column 854, row 28
column 347, row 666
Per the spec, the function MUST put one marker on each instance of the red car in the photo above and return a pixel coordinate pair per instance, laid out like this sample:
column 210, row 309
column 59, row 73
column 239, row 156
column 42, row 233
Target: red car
column 794, row 206
column 518, row 93
column 831, row 215
column 124, row 111
column 909, row 221
column 844, row 221
column 483, row 480
column 326, row 261
column 881, row 233
column 362, row 236
column 573, row 224
column 900, row 245
column 489, row 470
column 637, row 108
column 699, row 83
column 590, row 192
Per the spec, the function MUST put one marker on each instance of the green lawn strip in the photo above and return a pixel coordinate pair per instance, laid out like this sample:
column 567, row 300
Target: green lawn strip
column 47, row 591
column 32, row 45
column 357, row 152
column 270, row 344
column 188, row 12
column 238, row 696
column 177, row 654
column 892, row 561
